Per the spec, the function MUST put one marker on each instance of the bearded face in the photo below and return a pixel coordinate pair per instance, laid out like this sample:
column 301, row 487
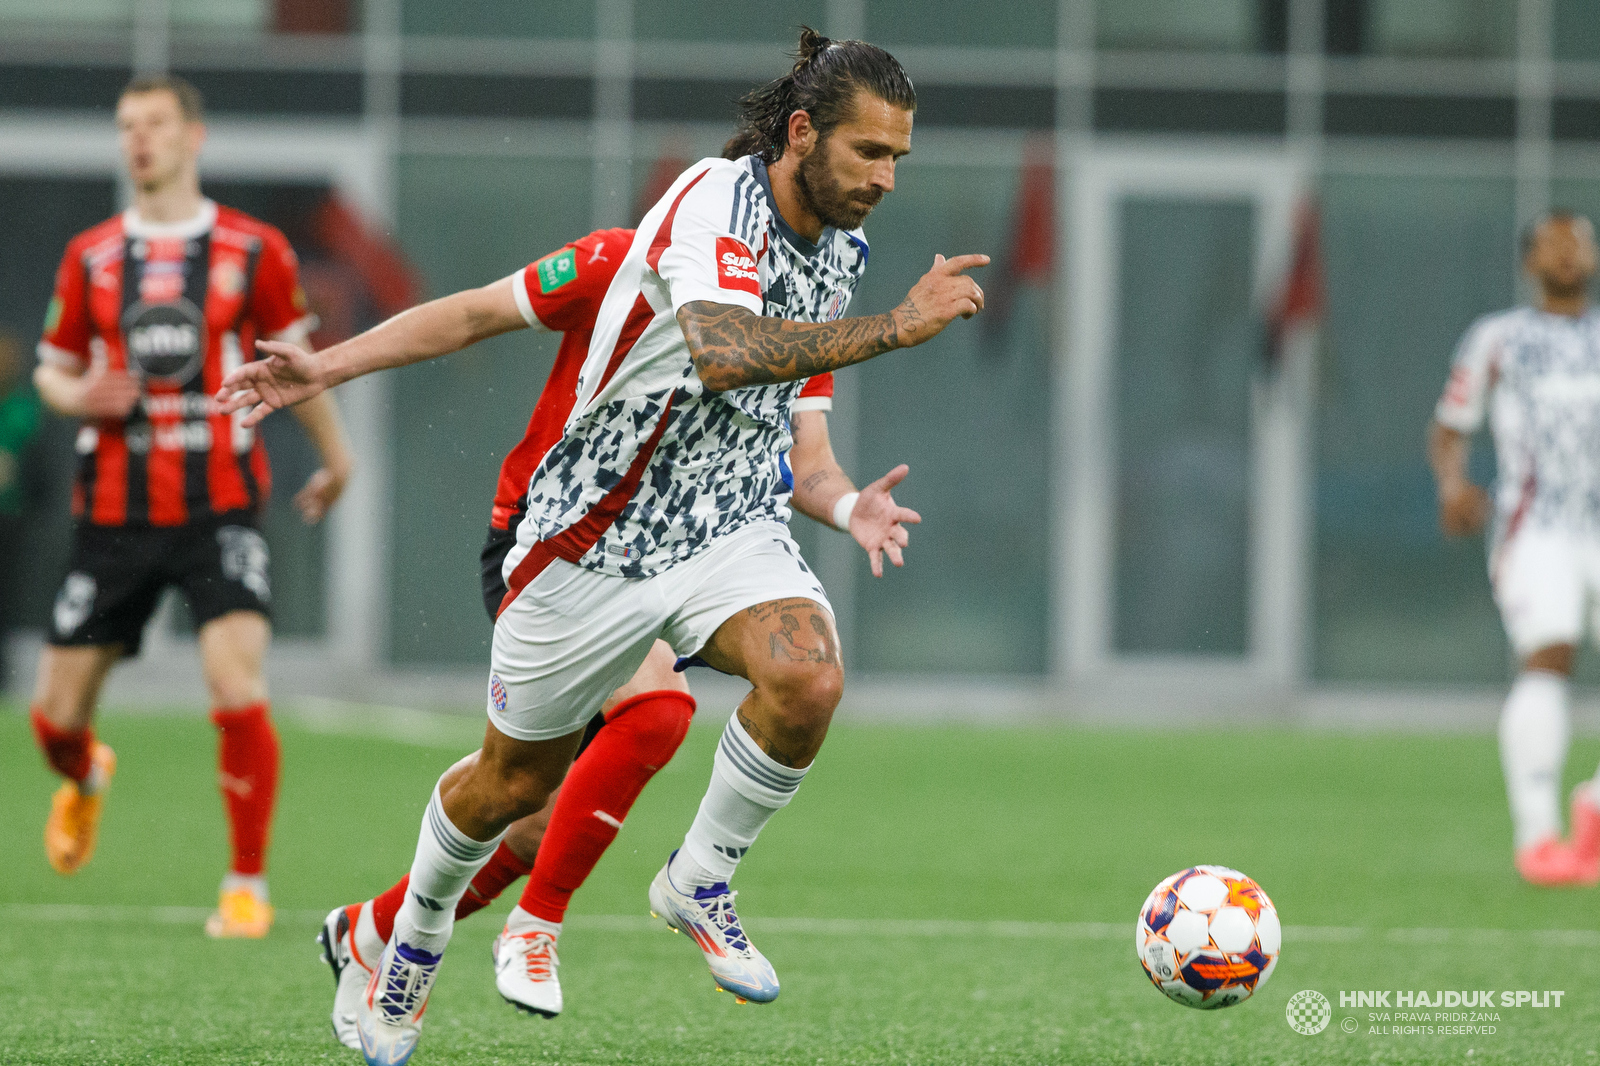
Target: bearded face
column 828, row 196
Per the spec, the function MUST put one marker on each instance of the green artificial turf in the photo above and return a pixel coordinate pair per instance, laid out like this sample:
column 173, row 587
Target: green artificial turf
column 1387, row 856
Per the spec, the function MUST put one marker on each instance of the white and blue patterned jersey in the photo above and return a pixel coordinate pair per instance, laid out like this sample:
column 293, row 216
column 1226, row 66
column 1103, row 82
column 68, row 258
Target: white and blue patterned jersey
column 652, row 466
column 1535, row 377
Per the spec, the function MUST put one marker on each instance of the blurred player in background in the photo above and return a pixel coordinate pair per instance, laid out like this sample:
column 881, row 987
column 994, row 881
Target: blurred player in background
column 151, row 309
column 644, row 721
column 659, row 512
column 1534, row 374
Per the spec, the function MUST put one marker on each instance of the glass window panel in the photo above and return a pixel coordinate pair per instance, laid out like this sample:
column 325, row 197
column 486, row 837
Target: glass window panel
column 1201, row 25
column 1188, row 345
column 970, row 413
column 1410, row 263
column 1024, row 23
column 1442, row 27
column 716, row 20
column 465, row 222
column 87, row 12
column 499, row 18
column 233, row 14
column 1577, row 29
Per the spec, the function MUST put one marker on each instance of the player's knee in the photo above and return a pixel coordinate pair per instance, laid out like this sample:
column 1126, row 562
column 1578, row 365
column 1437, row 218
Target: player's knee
column 807, row 695
column 516, row 793
column 1553, row 658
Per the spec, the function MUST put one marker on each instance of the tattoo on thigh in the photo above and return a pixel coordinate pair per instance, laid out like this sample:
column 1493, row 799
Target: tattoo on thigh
column 790, row 644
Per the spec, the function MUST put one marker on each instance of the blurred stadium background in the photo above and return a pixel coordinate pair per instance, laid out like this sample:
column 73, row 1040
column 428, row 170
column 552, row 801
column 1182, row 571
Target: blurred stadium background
column 1176, row 470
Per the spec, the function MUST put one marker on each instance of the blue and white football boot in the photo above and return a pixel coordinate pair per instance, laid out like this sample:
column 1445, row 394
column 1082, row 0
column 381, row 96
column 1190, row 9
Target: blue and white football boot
column 389, row 1017
column 707, row 915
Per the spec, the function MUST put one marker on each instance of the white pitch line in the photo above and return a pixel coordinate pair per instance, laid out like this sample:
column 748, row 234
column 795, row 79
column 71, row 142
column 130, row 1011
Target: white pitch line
column 932, row 928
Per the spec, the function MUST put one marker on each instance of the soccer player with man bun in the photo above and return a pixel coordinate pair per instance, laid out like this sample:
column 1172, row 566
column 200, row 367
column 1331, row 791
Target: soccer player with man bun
column 659, row 514
column 641, row 724
column 152, row 308
column 1533, row 373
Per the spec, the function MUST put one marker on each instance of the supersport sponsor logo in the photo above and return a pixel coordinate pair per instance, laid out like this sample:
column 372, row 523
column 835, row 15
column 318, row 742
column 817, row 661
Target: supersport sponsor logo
column 736, row 266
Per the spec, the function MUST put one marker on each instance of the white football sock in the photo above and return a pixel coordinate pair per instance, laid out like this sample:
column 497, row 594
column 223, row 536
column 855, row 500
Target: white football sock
column 520, row 921
column 447, row 860
column 1534, row 728
column 256, row 883
column 365, row 937
column 747, row 788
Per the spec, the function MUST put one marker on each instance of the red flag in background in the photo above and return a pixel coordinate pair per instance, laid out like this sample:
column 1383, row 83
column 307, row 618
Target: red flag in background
column 1030, row 256
column 1300, row 303
column 672, row 161
column 383, row 268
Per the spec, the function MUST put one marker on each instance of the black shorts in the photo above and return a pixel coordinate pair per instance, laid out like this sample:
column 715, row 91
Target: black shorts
column 116, row 575
column 496, row 546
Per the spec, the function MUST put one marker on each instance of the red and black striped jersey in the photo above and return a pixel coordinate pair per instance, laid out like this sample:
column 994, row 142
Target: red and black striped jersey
column 562, row 293
column 177, row 306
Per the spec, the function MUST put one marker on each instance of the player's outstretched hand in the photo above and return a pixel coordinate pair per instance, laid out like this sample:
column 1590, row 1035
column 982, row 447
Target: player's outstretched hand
column 321, row 491
column 1463, row 508
column 288, row 375
column 108, row 393
column 879, row 524
column 938, row 297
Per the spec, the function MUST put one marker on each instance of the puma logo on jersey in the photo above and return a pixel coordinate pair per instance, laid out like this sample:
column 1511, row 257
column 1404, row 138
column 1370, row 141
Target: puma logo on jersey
column 736, row 266
column 596, row 257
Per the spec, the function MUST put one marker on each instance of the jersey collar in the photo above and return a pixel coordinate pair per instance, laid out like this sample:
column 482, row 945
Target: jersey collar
column 799, row 243
column 200, row 224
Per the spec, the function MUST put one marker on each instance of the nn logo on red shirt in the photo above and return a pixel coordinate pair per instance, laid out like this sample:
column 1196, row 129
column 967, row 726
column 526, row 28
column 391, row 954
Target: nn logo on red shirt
column 736, row 266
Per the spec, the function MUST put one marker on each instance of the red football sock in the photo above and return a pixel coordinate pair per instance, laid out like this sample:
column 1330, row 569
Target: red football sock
column 503, row 867
column 68, row 751
column 640, row 736
column 386, row 905
column 247, row 761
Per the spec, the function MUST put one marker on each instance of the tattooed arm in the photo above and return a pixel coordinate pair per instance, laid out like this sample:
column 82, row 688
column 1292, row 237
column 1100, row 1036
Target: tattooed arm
column 733, row 347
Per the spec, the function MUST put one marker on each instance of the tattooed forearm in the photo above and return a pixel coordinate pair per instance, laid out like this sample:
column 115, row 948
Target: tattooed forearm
column 733, row 347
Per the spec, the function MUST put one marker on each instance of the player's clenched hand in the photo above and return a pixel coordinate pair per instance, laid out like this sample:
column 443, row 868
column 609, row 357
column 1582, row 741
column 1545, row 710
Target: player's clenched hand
column 108, row 393
column 1463, row 508
column 321, row 491
column 937, row 298
column 879, row 524
column 287, row 375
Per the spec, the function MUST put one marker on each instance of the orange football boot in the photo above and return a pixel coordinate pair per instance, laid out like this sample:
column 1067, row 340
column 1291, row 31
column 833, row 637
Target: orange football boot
column 1586, row 834
column 1549, row 863
column 240, row 913
column 71, row 831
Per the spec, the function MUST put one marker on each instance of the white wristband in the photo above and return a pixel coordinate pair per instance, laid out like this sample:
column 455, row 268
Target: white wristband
column 842, row 509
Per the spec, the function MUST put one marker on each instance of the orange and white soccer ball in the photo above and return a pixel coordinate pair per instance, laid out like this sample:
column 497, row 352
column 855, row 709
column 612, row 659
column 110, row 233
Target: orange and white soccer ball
column 1208, row 937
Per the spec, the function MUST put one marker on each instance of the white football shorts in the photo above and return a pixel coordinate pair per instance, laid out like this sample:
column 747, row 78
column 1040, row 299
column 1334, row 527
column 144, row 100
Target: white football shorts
column 575, row 635
column 1547, row 585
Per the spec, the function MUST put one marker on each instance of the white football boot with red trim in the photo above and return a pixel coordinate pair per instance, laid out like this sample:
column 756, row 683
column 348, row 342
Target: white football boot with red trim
column 525, row 964
column 351, row 967
column 707, row 915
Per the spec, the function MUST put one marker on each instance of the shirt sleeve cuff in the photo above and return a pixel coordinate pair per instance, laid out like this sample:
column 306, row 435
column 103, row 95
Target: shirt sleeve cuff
column 813, row 403
column 519, row 289
column 50, row 355
column 1462, row 421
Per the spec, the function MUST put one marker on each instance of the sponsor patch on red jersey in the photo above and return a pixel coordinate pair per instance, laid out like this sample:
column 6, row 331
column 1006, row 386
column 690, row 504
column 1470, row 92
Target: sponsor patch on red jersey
column 736, row 266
